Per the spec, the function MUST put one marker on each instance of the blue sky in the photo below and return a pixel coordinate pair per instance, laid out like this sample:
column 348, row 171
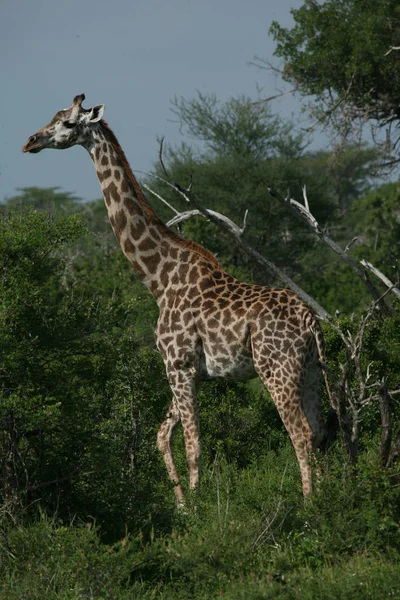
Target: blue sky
column 132, row 55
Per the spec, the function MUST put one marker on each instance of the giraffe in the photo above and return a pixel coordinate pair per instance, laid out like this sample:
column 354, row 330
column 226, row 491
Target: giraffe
column 210, row 324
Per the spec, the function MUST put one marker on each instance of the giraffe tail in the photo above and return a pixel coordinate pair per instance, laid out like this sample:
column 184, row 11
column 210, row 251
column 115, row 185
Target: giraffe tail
column 332, row 422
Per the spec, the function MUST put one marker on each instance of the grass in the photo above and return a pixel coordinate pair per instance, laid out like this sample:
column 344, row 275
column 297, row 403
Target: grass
column 249, row 537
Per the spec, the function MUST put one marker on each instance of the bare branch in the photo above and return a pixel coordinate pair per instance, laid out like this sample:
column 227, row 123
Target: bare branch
column 381, row 276
column 349, row 245
column 303, row 212
column 184, row 216
column 161, row 198
column 391, row 50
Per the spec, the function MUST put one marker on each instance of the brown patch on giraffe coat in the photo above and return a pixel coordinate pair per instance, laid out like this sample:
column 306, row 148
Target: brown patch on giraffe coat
column 193, row 275
column 137, row 229
column 220, row 290
column 117, row 174
column 207, row 306
column 120, row 222
column 129, row 247
column 138, row 268
column 164, row 275
column 147, row 244
column 196, row 302
column 153, row 287
column 152, row 262
column 104, row 160
column 187, row 317
column 229, row 336
column 182, row 272
column 130, row 205
column 184, row 256
column 156, row 236
column 222, row 303
column 206, row 284
column 226, row 319
column 111, row 193
column 212, row 323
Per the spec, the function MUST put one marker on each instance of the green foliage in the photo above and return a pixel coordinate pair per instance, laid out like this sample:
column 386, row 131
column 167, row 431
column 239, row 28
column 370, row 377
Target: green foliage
column 374, row 219
column 49, row 200
column 74, row 383
column 342, row 49
column 238, row 423
column 250, row 537
column 238, row 127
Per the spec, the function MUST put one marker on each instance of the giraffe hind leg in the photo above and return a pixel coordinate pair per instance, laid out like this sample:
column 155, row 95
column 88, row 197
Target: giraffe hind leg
column 288, row 400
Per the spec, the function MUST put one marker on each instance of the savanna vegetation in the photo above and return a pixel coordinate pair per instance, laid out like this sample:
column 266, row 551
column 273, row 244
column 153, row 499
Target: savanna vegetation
column 86, row 509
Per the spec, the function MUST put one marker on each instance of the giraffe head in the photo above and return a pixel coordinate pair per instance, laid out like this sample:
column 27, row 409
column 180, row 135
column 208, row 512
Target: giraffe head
column 67, row 128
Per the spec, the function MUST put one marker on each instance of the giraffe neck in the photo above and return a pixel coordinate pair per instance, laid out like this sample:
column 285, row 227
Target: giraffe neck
column 145, row 240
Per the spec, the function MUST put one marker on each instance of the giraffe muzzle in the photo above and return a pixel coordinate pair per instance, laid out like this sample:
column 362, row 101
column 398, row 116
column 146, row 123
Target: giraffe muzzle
column 33, row 145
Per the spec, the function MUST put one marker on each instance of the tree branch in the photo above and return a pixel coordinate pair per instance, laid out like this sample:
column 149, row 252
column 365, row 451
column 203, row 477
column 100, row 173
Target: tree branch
column 381, row 276
column 303, row 212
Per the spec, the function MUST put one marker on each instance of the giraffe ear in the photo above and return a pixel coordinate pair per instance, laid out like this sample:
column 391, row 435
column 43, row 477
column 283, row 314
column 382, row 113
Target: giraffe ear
column 96, row 113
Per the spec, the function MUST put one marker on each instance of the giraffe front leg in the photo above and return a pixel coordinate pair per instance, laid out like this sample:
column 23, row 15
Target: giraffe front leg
column 183, row 384
column 164, row 442
column 183, row 408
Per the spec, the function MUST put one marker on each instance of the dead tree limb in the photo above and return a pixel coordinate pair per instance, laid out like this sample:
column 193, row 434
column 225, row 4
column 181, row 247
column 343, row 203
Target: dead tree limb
column 386, row 422
column 381, row 276
column 180, row 217
column 302, row 212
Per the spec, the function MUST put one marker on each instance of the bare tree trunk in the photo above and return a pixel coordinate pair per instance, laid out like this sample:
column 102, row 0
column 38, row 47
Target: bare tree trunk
column 9, row 482
column 386, row 423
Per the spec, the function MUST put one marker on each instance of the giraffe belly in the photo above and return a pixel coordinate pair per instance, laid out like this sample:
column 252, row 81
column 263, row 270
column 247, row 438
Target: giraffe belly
column 237, row 365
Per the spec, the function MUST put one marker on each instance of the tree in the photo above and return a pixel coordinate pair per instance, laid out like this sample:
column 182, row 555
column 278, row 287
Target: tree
column 74, row 384
column 51, row 200
column 347, row 55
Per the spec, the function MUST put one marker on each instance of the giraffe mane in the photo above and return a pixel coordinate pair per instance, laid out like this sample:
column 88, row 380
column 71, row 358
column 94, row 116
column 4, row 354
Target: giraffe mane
column 187, row 244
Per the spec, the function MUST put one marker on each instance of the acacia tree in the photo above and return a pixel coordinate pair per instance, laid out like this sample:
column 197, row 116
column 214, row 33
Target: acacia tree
column 346, row 54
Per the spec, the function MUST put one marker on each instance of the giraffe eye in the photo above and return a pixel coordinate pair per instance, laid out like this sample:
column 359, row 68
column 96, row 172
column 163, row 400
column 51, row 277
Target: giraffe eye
column 68, row 124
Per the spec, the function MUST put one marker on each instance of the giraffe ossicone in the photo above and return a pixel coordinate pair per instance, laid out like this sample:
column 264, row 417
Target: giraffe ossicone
column 210, row 324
